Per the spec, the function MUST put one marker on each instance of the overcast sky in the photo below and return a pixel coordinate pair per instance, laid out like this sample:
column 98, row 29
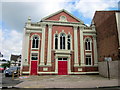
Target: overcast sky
column 14, row 14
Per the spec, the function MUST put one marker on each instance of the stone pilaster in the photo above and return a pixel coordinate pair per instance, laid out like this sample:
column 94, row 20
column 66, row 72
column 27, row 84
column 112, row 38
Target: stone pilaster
column 82, row 61
column 49, row 45
column 42, row 45
column 75, row 47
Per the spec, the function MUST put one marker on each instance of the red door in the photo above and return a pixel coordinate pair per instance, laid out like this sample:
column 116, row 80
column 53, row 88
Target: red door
column 62, row 68
column 33, row 68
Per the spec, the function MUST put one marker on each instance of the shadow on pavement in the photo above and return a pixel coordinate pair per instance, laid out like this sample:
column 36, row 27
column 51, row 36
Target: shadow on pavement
column 8, row 82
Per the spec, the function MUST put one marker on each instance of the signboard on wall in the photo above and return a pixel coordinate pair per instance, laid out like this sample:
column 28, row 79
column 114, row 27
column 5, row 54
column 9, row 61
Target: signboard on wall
column 108, row 59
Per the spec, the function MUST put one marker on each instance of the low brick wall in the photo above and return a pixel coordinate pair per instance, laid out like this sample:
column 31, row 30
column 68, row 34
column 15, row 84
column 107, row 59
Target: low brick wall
column 114, row 68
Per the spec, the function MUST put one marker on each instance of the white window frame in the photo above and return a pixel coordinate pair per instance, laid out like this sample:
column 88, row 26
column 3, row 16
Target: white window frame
column 54, row 41
column 62, row 41
column 90, row 43
column 70, row 42
column 89, row 54
column 32, row 41
column 62, row 59
column 34, row 56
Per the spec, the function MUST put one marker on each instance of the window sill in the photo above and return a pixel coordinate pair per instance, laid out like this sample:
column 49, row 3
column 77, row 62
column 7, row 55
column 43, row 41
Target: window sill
column 88, row 50
column 63, row 51
column 35, row 48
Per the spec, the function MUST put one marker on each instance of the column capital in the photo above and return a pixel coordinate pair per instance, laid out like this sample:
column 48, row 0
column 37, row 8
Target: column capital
column 94, row 36
column 43, row 25
column 81, row 27
column 50, row 25
column 75, row 27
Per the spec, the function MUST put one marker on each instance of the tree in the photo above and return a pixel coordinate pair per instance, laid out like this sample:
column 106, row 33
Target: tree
column 4, row 65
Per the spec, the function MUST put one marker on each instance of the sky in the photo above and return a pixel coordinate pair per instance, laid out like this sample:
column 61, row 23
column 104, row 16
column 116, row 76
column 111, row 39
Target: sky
column 14, row 14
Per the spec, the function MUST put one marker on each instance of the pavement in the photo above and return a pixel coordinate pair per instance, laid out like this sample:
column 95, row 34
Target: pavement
column 66, row 81
column 7, row 81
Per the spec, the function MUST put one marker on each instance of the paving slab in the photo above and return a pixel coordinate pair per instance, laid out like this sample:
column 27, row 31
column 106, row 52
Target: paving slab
column 66, row 81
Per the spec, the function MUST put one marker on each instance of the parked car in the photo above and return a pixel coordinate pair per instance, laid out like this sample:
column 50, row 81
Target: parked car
column 9, row 71
column 1, row 69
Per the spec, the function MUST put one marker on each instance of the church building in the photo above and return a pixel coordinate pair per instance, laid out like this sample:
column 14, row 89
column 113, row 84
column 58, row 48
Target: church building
column 59, row 44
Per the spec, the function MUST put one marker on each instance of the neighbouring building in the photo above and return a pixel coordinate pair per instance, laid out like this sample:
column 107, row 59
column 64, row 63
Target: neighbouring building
column 15, row 60
column 108, row 42
column 108, row 34
column 59, row 44
column 2, row 59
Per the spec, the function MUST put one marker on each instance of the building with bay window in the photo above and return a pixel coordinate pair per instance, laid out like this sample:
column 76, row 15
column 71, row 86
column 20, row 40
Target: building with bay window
column 59, row 44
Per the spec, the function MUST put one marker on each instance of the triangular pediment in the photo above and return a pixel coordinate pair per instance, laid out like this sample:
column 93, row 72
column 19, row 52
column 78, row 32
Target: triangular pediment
column 63, row 16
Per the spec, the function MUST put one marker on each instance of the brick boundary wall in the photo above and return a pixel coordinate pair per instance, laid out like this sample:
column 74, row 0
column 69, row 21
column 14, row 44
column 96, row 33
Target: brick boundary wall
column 114, row 69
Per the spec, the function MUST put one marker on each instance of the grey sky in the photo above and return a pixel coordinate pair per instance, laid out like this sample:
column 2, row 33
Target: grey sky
column 15, row 14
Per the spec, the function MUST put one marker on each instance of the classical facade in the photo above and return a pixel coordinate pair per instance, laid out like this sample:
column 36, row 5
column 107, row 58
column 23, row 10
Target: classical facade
column 59, row 44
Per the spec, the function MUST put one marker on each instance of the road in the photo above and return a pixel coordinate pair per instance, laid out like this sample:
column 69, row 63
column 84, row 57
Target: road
column 7, row 81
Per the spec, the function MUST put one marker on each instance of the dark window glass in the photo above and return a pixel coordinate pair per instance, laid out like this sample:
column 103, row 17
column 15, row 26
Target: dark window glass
column 64, row 58
column 35, row 42
column 59, row 58
column 62, row 41
column 87, row 44
column 34, row 56
column 56, row 41
column 88, row 60
column 69, row 42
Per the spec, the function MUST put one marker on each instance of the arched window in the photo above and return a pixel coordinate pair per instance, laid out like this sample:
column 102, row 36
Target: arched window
column 62, row 41
column 69, row 42
column 88, row 44
column 56, row 41
column 35, row 42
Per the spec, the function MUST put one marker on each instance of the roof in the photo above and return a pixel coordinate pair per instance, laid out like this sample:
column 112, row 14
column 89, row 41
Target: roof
column 105, row 11
column 62, row 10
column 15, row 57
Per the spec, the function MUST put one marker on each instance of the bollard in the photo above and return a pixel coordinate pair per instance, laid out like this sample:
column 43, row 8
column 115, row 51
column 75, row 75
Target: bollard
column 13, row 75
column 18, row 74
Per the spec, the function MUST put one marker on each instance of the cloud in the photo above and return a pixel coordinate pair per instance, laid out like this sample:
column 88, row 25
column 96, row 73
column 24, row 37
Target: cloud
column 16, row 12
column 11, row 43
column 88, row 8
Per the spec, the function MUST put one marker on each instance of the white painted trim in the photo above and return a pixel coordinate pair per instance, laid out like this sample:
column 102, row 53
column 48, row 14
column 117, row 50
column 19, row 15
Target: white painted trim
column 118, row 25
column 70, row 41
column 33, row 31
column 25, row 48
column 59, row 12
column 47, row 73
column 95, row 51
column 25, row 72
column 49, row 45
column 68, row 62
column 43, row 45
column 75, row 47
column 32, row 41
column 90, row 43
column 62, row 23
column 54, row 40
column 91, row 59
column 69, row 73
column 82, row 61
column 84, row 72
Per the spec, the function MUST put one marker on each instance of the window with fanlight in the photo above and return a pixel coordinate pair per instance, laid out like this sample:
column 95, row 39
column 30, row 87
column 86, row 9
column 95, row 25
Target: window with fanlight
column 62, row 41
column 88, row 44
column 35, row 42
